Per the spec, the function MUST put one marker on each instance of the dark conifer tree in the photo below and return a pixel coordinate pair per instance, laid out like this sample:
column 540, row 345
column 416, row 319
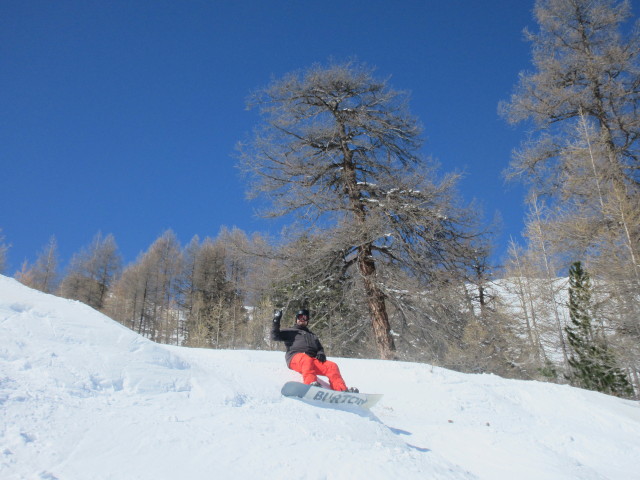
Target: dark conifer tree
column 592, row 365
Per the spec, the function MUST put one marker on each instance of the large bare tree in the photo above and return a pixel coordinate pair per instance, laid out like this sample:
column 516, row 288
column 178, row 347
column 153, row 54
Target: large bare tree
column 339, row 151
column 584, row 98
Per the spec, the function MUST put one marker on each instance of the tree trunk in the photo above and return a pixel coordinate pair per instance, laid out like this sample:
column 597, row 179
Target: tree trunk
column 366, row 263
column 376, row 304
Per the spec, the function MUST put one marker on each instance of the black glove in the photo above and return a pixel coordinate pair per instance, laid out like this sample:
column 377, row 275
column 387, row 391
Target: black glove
column 277, row 315
column 321, row 357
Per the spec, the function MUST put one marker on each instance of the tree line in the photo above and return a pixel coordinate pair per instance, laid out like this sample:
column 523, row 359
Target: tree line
column 581, row 165
column 381, row 248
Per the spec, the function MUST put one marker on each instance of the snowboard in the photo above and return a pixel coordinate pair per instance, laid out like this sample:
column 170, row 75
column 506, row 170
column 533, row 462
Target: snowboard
column 330, row 398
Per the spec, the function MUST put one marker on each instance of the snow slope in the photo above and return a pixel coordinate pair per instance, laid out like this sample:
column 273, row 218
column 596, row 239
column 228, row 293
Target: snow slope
column 82, row 397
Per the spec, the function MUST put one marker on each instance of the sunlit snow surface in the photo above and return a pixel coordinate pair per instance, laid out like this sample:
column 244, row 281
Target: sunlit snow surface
column 82, row 397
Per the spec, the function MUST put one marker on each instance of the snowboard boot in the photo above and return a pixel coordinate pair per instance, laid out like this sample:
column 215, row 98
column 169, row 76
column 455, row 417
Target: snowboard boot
column 353, row 390
column 315, row 384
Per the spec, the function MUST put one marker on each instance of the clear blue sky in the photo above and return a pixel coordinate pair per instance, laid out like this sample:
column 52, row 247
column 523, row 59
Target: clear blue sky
column 122, row 117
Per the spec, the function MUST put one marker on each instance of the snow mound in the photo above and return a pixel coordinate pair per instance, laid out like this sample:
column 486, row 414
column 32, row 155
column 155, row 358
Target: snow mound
column 82, row 397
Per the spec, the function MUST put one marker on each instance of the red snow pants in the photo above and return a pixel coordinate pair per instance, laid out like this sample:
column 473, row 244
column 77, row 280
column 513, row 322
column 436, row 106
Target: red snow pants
column 311, row 367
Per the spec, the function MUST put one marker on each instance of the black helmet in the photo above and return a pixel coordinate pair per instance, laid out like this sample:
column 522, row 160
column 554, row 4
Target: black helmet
column 302, row 313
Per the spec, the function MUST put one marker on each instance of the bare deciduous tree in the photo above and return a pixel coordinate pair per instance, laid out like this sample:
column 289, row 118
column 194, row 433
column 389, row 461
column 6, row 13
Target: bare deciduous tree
column 43, row 274
column 207, row 296
column 584, row 99
column 339, row 150
column 145, row 295
column 584, row 67
column 91, row 272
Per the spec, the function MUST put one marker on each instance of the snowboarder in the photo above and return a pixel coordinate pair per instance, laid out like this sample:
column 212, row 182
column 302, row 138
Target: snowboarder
column 305, row 354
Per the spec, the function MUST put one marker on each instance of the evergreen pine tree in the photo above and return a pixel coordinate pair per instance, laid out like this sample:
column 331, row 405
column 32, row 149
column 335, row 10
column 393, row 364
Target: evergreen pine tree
column 592, row 365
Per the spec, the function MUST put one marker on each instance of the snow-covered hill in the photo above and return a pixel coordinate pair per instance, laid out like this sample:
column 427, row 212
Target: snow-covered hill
column 84, row 398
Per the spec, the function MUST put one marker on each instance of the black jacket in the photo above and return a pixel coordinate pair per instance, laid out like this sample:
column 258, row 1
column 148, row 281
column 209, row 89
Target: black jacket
column 297, row 340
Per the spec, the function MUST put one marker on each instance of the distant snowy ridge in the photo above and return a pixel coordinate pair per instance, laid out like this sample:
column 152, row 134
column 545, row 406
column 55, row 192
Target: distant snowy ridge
column 82, row 397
